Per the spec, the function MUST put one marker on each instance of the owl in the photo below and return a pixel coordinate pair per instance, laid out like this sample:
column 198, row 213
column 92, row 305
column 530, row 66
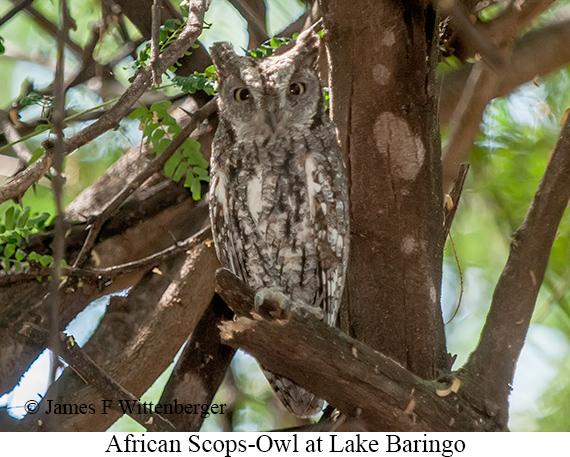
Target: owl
column 279, row 194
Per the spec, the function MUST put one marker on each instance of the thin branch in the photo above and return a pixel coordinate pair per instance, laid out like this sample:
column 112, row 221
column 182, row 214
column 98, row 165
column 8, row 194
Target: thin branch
column 537, row 53
column 491, row 366
column 514, row 20
column 452, row 199
column 361, row 382
column 253, row 11
column 106, row 274
column 471, row 34
column 141, row 83
column 19, row 6
column 155, row 42
column 52, row 29
column 477, row 93
column 93, row 374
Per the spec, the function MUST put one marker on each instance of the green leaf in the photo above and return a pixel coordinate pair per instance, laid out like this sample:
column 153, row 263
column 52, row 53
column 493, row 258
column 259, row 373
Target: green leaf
column 157, row 135
column 20, row 255
column 200, row 172
column 161, row 146
column 9, row 250
column 2, row 47
column 38, row 221
column 45, row 260
column 9, row 218
column 139, row 112
column 161, row 106
column 196, row 189
column 171, row 164
column 34, row 256
column 23, row 219
column 38, row 152
column 180, row 172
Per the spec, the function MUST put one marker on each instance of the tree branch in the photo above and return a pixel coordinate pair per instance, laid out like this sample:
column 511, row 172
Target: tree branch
column 141, row 83
column 537, row 53
column 202, row 366
column 490, row 369
column 361, row 382
column 450, row 207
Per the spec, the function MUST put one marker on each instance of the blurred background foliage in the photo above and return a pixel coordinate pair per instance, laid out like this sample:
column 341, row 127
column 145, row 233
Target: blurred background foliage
column 517, row 136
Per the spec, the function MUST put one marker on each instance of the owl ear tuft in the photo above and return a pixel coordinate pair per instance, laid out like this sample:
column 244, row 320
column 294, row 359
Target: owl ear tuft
column 307, row 48
column 225, row 59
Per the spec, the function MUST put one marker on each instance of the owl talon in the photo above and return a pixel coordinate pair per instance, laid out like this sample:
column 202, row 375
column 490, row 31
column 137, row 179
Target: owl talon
column 273, row 302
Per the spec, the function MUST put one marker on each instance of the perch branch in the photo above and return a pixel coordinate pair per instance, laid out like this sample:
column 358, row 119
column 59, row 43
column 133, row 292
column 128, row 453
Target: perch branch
column 491, row 366
column 361, row 382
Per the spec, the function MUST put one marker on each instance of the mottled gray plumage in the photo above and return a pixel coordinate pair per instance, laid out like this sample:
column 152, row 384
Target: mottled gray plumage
column 278, row 191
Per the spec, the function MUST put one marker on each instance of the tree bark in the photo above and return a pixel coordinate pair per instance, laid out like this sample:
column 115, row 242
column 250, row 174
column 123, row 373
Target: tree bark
column 383, row 56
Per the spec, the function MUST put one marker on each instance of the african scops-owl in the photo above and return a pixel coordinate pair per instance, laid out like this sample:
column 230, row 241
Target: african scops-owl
column 278, row 191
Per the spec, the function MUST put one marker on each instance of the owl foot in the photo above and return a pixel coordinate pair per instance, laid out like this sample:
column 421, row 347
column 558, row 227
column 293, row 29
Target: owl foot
column 271, row 301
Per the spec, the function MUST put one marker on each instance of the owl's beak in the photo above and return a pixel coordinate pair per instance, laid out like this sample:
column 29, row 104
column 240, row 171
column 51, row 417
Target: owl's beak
column 272, row 119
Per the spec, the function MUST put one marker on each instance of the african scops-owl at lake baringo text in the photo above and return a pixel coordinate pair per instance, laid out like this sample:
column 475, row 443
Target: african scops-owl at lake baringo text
column 278, row 195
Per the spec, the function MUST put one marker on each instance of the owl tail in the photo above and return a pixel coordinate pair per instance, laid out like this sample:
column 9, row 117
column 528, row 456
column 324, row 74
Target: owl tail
column 296, row 399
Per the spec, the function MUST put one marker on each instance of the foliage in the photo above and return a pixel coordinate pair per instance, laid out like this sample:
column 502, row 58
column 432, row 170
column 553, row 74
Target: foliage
column 187, row 162
column 16, row 226
column 268, row 48
column 205, row 81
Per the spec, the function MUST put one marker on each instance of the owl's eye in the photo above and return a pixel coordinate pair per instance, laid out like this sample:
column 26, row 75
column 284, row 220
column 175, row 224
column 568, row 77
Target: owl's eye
column 297, row 89
column 241, row 95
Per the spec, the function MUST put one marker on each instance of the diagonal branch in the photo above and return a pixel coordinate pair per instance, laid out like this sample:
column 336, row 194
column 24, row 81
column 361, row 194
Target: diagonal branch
column 490, row 369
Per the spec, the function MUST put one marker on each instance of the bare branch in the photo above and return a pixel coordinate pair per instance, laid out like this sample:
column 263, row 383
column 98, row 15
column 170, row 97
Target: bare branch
column 103, row 275
column 19, row 6
column 155, row 42
column 253, row 11
column 450, row 206
column 538, row 53
column 471, row 34
column 201, row 367
column 491, row 366
column 513, row 20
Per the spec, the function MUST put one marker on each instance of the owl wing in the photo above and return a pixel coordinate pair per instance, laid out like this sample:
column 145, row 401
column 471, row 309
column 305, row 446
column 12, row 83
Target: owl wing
column 328, row 196
column 225, row 228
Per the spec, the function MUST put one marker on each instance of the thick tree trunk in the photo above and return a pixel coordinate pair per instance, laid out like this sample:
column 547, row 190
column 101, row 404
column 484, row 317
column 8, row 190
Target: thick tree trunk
column 383, row 56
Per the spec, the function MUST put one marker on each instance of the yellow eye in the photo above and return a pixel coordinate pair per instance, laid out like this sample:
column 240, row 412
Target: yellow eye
column 241, row 95
column 297, row 89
